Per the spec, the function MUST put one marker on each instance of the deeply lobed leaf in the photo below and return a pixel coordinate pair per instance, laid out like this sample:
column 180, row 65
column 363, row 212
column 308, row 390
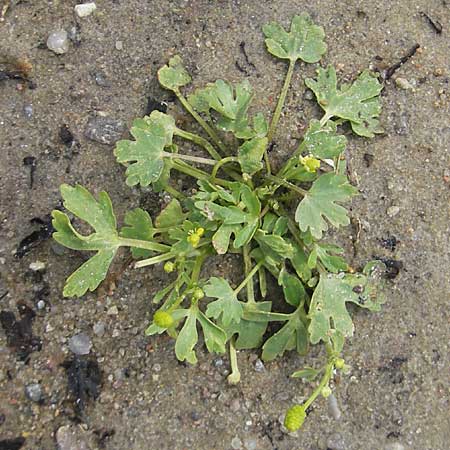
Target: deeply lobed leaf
column 305, row 40
column 359, row 102
column 99, row 214
column 320, row 203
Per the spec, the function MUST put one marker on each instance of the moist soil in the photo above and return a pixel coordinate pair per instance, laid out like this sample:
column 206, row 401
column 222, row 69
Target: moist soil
column 130, row 391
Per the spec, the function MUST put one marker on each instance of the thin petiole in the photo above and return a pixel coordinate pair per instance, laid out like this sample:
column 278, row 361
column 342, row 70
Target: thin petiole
column 235, row 375
column 220, row 163
column 248, row 281
column 211, row 133
column 144, row 244
column 197, row 159
column 199, row 141
column 281, row 100
column 197, row 173
column 154, row 260
column 286, row 184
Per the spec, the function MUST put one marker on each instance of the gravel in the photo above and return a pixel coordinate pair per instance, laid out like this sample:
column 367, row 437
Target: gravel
column 58, row 42
column 33, row 392
column 104, row 130
column 85, row 9
column 80, row 344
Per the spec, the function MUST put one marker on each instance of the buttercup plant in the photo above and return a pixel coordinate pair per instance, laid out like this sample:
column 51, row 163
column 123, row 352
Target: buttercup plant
column 242, row 206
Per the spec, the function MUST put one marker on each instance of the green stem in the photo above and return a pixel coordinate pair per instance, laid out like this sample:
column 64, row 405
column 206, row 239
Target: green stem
column 197, row 267
column 323, row 382
column 235, row 375
column 247, row 268
column 154, row 260
column 286, row 184
column 281, row 100
column 211, row 133
column 197, row 173
column 174, row 192
column 325, row 119
column 199, row 141
column 249, row 282
column 197, row 159
column 263, row 316
column 220, row 163
column 144, row 244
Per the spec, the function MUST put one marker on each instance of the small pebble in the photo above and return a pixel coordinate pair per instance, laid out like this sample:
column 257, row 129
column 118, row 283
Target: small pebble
column 236, row 443
column 403, row 83
column 336, row 442
column 259, row 366
column 80, row 344
column 333, row 407
column 58, row 249
column 40, row 304
column 250, row 444
column 71, row 438
column 100, row 79
column 33, row 392
column 394, row 446
column 393, row 210
column 308, row 95
column 119, row 45
column 113, row 311
column 58, row 42
column 28, row 111
column 85, row 9
column 99, row 328
column 104, row 130
column 37, row 266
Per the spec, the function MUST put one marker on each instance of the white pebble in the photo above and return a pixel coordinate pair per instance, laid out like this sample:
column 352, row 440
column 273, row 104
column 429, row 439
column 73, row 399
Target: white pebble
column 37, row 266
column 119, row 45
column 403, row 83
column 85, row 9
column 58, row 42
column 393, row 210
column 333, row 407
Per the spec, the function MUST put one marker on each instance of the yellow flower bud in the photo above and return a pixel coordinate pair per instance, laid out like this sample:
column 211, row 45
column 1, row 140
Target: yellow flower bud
column 326, row 391
column 169, row 267
column 200, row 231
column 294, row 418
column 193, row 239
column 339, row 363
column 310, row 163
column 163, row 319
column 198, row 293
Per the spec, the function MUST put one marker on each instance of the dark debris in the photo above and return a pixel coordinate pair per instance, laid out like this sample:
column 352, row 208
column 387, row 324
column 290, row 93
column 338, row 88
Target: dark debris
column 389, row 242
column 84, row 379
column 12, row 444
column 36, row 237
column 155, row 105
column 434, row 24
column 19, row 332
column 389, row 72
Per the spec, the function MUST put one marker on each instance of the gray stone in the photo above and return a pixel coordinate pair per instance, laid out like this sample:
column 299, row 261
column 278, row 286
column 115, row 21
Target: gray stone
column 71, row 438
column 104, row 130
column 250, row 444
column 28, row 111
column 393, row 210
column 33, row 392
column 395, row 446
column 333, row 407
column 80, row 344
column 85, row 9
column 40, row 304
column 336, row 442
column 236, row 443
column 58, row 42
column 113, row 311
column 259, row 366
column 99, row 328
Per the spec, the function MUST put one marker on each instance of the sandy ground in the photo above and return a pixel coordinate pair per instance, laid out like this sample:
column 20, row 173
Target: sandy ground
column 397, row 396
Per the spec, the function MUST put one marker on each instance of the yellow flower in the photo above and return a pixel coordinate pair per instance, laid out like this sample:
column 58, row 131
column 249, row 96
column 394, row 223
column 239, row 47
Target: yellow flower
column 310, row 163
